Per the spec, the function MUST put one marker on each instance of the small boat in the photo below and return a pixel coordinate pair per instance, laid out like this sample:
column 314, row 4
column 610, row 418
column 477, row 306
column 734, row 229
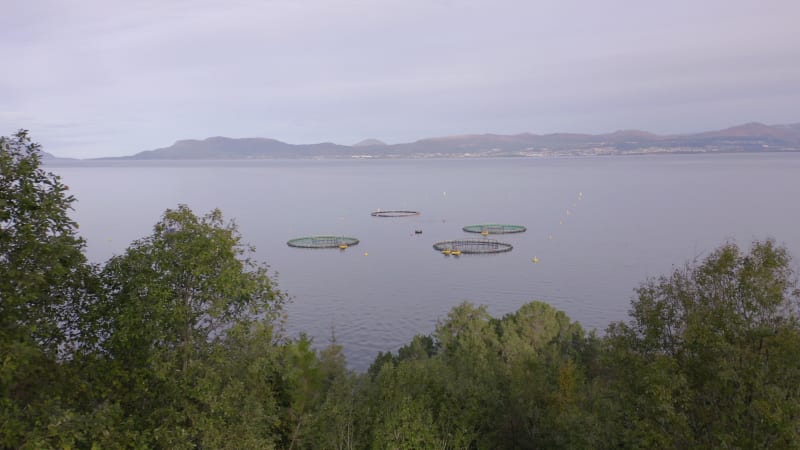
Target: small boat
column 417, row 231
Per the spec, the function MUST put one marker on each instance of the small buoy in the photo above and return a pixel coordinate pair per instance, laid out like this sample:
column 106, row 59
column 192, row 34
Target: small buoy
column 366, row 254
column 535, row 260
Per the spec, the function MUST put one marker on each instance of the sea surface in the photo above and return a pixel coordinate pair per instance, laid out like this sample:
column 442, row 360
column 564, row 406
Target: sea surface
column 598, row 227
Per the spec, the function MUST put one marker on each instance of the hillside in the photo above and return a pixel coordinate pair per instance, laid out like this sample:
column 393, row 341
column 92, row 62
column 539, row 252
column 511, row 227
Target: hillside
column 751, row 137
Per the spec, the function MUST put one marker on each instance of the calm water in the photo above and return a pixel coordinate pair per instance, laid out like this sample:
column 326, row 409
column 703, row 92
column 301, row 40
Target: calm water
column 637, row 217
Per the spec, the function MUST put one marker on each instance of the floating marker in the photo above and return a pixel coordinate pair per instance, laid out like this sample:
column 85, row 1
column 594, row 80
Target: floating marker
column 535, row 260
column 366, row 254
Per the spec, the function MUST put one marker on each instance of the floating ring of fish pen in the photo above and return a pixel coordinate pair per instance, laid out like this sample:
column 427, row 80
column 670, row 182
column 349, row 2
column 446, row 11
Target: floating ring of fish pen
column 494, row 228
column 472, row 246
column 323, row 242
column 393, row 213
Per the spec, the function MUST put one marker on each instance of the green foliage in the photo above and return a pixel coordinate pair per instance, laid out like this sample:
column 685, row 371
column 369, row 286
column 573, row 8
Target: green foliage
column 320, row 404
column 183, row 287
column 514, row 382
column 40, row 252
column 44, row 282
column 186, row 337
column 706, row 355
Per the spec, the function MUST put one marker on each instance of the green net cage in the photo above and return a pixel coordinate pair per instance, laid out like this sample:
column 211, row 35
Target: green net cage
column 472, row 246
column 323, row 242
column 494, row 228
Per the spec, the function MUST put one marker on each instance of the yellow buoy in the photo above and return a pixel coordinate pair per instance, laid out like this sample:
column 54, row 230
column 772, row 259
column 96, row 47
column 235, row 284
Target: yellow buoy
column 366, row 254
column 535, row 259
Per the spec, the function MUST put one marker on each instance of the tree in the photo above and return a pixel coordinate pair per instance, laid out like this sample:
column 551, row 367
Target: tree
column 514, row 382
column 44, row 281
column 710, row 348
column 319, row 397
column 186, row 309
column 40, row 252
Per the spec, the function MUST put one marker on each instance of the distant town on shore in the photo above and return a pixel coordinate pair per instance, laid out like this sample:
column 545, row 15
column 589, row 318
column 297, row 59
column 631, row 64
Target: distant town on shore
column 750, row 137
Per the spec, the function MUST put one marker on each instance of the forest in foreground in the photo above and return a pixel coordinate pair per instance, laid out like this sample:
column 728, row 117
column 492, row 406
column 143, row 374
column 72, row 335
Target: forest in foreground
column 178, row 343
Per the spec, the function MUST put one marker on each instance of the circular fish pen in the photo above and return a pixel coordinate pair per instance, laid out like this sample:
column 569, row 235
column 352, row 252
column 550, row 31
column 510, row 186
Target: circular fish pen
column 472, row 246
column 393, row 213
column 494, row 228
column 323, row 242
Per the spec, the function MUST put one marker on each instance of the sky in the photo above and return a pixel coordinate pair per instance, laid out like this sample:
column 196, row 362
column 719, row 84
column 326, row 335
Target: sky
column 96, row 78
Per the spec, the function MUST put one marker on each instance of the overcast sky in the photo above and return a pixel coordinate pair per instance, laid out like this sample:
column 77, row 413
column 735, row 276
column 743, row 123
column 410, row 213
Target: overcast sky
column 102, row 78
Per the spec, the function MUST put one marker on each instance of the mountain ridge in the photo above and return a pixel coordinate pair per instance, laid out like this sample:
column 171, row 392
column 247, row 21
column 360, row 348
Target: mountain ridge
column 748, row 137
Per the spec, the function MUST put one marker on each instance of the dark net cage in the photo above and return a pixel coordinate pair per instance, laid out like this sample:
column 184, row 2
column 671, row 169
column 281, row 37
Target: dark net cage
column 472, row 246
column 323, row 242
column 494, row 228
column 393, row 213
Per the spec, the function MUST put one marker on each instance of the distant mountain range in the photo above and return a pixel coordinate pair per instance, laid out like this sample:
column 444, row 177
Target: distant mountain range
column 751, row 137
